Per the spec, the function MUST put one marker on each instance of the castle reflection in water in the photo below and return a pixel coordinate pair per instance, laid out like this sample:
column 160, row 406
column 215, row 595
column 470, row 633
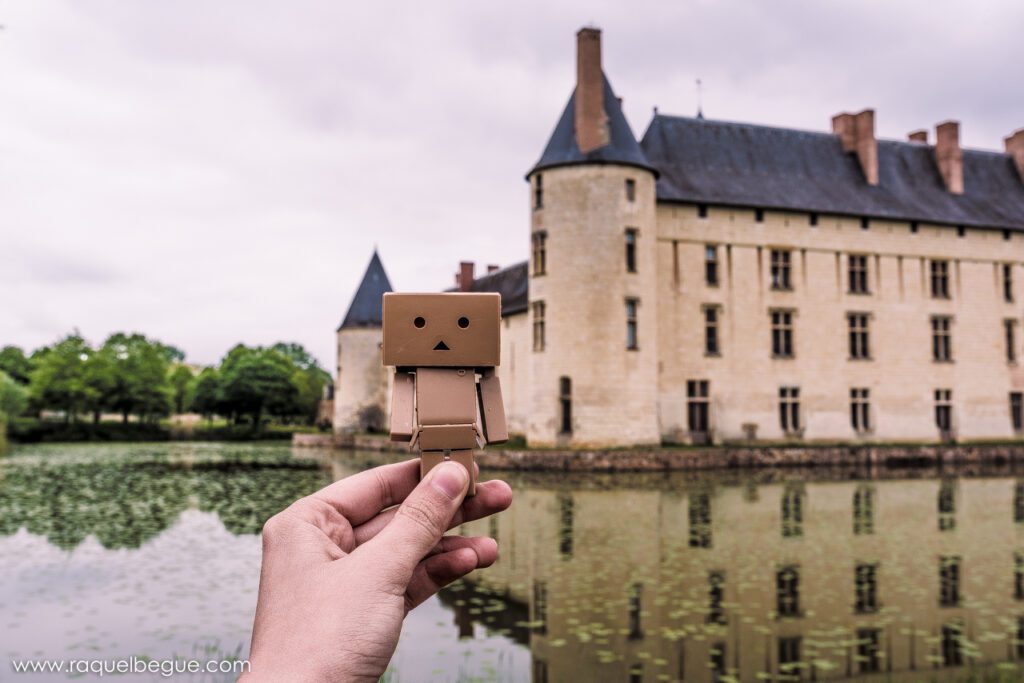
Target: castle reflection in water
column 640, row 578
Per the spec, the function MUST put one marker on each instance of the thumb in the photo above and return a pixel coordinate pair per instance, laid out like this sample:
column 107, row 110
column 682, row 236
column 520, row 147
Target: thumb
column 423, row 518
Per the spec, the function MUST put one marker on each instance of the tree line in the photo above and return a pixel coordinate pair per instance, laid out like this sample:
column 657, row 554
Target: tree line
column 133, row 376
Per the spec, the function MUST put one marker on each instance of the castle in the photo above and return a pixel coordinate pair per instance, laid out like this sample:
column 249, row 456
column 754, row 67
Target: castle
column 721, row 282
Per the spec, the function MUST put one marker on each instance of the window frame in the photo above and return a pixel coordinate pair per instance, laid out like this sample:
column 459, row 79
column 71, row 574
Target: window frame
column 939, row 279
column 698, row 406
column 632, row 238
column 944, row 409
column 858, row 274
column 538, row 310
column 565, row 424
column 783, row 333
column 790, row 421
column 781, row 269
column 632, row 324
column 711, row 266
column 860, row 410
column 942, row 338
column 1010, row 337
column 712, row 329
column 858, row 326
column 539, row 253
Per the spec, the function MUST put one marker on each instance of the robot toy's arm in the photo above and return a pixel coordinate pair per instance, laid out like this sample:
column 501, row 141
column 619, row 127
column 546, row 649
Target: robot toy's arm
column 402, row 415
column 492, row 408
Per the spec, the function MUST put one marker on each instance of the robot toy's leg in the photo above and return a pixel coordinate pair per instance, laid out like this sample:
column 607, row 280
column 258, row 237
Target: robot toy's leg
column 431, row 459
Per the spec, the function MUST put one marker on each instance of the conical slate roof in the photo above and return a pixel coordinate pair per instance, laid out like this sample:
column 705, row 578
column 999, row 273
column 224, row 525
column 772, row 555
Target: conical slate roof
column 623, row 148
column 366, row 309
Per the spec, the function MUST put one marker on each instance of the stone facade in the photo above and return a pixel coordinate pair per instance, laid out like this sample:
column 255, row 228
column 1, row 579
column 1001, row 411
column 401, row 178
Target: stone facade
column 899, row 371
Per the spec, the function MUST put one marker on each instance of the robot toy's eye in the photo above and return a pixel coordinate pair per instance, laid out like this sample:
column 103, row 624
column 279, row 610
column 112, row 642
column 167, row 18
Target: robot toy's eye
column 419, row 322
column 463, row 322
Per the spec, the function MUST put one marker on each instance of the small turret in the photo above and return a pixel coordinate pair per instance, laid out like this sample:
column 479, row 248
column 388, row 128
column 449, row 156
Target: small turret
column 361, row 385
column 592, row 274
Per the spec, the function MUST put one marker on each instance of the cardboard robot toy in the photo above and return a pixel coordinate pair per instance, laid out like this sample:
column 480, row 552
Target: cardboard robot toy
column 446, row 398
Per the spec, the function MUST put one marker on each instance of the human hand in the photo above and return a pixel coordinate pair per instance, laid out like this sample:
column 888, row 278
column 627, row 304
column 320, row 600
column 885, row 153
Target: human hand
column 342, row 567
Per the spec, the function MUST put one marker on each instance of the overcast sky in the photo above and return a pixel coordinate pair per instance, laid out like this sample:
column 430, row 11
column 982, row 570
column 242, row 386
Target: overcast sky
column 210, row 172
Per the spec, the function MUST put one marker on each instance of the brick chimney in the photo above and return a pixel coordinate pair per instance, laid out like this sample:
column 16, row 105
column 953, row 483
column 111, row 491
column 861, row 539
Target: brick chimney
column 591, row 121
column 464, row 278
column 1015, row 148
column 949, row 156
column 857, row 134
column 918, row 136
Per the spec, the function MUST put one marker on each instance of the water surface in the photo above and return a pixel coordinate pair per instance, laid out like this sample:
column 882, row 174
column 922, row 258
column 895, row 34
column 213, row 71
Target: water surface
column 153, row 550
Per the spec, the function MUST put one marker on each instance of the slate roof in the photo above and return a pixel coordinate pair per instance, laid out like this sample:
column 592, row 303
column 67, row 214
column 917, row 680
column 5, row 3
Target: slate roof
column 366, row 309
column 622, row 148
column 740, row 164
column 511, row 282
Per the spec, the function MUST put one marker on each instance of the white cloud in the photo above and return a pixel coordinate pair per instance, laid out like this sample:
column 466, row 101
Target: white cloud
column 209, row 173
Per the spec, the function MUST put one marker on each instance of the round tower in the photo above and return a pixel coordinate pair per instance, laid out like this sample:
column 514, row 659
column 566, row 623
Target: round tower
column 361, row 385
column 593, row 283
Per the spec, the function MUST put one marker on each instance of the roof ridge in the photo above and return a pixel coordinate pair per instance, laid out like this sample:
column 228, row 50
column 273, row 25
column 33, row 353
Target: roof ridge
column 768, row 126
column 503, row 269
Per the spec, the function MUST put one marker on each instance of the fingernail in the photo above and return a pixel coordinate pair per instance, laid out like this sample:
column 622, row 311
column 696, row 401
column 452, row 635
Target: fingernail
column 450, row 478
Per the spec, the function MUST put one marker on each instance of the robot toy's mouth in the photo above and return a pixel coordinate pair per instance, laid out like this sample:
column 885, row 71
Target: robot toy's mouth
column 441, row 346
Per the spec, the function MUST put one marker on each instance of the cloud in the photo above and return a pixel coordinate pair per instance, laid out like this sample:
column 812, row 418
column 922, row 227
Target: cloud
column 210, row 173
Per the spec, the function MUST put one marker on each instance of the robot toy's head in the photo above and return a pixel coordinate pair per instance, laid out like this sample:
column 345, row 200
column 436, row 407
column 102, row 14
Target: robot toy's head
column 442, row 330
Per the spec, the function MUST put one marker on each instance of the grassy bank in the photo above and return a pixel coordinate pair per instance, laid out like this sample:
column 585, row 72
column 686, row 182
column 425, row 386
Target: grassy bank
column 39, row 431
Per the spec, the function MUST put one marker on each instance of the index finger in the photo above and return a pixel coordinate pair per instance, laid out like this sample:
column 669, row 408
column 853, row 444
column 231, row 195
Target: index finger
column 362, row 496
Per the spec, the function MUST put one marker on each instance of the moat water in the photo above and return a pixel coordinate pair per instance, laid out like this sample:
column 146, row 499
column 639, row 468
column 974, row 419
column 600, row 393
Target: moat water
column 152, row 550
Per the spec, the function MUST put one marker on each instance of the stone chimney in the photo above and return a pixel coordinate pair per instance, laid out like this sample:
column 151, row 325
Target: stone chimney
column 949, row 156
column 492, row 268
column 591, row 121
column 857, row 134
column 1015, row 148
column 918, row 136
column 464, row 278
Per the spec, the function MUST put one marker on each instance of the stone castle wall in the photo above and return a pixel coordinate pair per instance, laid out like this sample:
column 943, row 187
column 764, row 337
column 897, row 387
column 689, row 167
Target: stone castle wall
column 900, row 374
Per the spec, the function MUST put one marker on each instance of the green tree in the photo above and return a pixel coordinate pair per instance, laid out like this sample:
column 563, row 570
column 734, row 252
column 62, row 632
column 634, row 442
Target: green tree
column 297, row 354
column 100, row 380
column 206, row 397
column 309, row 380
column 182, row 385
column 255, row 381
column 16, row 364
column 58, row 381
column 13, row 396
column 309, row 384
column 13, row 400
column 141, row 385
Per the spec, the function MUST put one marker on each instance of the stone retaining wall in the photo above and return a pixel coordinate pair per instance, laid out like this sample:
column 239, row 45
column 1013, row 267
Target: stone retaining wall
column 712, row 457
